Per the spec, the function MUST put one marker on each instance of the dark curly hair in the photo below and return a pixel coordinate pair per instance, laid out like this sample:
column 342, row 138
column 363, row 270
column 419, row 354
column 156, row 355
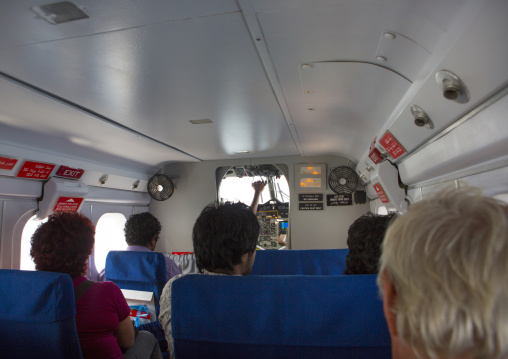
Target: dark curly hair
column 63, row 244
column 222, row 234
column 140, row 229
column 364, row 240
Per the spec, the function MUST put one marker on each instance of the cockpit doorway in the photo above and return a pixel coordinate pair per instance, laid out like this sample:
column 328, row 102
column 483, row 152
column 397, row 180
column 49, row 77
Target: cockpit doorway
column 273, row 209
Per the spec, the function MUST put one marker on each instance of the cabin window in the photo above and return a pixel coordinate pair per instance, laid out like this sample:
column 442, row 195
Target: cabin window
column 382, row 211
column 109, row 236
column 236, row 189
column 26, row 262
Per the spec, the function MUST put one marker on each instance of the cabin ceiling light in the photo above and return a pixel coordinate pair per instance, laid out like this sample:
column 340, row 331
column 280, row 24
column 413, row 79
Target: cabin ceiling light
column 240, row 152
column 59, row 12
column 200, row 122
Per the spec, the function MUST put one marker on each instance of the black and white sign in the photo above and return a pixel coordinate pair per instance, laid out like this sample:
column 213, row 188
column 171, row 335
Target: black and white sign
column 339, row 199
column 310, row 206
column 310, row 197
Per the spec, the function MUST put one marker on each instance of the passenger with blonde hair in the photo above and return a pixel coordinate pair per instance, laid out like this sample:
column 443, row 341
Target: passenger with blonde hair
column 444, row 278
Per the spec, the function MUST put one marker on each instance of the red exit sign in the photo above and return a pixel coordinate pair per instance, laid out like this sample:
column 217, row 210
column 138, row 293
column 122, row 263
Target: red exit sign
column 68, row 172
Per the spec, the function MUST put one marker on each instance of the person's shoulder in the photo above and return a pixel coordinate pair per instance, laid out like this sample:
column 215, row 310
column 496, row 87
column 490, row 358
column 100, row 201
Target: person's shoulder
column 168, row 284
column 167, row 287
column 107, row 286
column 171, row 262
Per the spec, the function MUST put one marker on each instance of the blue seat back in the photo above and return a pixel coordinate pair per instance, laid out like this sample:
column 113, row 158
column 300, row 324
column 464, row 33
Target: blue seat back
column 144, row 271
column 278, row 317
column 37, row 315
column 300, row 262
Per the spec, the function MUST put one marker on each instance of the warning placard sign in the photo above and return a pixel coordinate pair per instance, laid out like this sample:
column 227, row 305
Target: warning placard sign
column 35, row 170
column 375, row 156
column 381, row 193
column 67, row 204
column 391, row 145
column 7, row 163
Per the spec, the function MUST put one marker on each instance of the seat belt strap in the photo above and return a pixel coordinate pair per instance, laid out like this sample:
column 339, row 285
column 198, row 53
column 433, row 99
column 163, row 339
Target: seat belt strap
column 81, row 289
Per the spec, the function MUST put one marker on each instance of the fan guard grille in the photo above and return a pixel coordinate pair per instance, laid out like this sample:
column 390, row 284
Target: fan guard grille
column 343, row 179
column 160, row 187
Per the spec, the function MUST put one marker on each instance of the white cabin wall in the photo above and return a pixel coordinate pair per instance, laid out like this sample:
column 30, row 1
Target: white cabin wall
column 14, row 217
column 492, row 183
column 18, row 203
column 195, row 187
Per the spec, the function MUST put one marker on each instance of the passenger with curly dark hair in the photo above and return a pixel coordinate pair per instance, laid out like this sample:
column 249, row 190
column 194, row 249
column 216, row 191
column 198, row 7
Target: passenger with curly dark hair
column 224, row 239
column 63, row 244
column 142, row 232
column 364, row 240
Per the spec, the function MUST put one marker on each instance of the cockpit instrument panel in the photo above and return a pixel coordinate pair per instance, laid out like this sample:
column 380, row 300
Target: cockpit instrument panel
column 273, row 221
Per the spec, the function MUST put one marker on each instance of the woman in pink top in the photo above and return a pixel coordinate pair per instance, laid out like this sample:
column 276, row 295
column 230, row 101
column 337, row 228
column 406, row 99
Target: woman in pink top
column 63, row 244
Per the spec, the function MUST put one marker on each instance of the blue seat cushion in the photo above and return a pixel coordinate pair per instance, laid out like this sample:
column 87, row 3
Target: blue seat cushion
column 278, row 317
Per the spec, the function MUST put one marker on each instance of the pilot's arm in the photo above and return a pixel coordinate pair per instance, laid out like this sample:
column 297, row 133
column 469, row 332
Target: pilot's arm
column 258, row 186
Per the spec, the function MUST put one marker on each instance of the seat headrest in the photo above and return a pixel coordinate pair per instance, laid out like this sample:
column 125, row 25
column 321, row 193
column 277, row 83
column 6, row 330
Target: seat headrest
column 36, row 296
column 136, row 266
column 301, row 310
column 300, row 262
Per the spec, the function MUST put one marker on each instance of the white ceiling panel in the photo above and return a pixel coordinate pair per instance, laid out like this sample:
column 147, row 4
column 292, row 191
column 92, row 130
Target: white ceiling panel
column 55, row 127
column 145, row 69
column 307, row 31
column 342, row 102
column 24, row 27
column 156, row 78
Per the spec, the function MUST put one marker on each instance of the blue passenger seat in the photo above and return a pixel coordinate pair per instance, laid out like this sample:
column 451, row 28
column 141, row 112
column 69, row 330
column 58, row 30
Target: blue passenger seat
column 144, row 271
column 300, row 262
column 278, row 317
column 37, row 315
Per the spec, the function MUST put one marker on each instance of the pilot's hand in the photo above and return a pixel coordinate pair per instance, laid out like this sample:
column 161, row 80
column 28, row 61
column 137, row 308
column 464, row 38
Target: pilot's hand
column 259, row 186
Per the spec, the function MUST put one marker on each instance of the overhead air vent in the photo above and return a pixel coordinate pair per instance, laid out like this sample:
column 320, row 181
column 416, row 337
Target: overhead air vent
column 452, row 86
column 421, row 117
column 59, row 12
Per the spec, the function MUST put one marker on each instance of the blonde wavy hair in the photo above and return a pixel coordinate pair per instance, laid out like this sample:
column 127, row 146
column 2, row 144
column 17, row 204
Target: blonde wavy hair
column 447, row 259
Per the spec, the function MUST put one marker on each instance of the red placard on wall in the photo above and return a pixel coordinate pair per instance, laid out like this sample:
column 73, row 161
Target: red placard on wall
column 35, row 170
column 375, row 156
column 67, row 204
column 7, row 163
column 381, row 193
column 391, row 145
